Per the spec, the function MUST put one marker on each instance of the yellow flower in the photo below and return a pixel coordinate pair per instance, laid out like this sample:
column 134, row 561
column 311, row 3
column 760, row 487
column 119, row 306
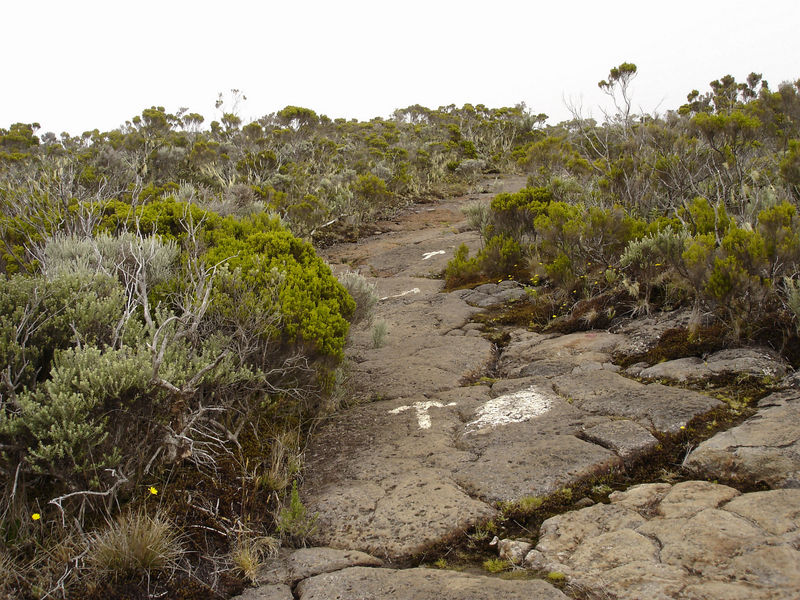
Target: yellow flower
column 683, row 426
column 153, row 490
column 36, row 516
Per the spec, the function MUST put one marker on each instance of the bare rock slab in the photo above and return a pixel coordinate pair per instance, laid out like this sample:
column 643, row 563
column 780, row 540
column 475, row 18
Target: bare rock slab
column 626, row 438
column 530, row 354
column 380, row 476
column 694, row 540
column 655, row 406
column 418, row 355
column 525, row 443
column 275, row 591
column 763, row 449
column 359, row 583
column 751, row 362
column 307, row 562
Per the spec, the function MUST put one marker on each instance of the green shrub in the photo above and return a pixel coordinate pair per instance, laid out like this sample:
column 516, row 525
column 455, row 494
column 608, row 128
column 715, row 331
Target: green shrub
column 515, row 214
column 461, row 269
column 314, row 308
column 702, row 218
column 65, row 420
column 500, row 257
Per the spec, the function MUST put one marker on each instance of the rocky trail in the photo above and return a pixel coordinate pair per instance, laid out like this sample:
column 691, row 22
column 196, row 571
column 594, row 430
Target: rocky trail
column 455, row 434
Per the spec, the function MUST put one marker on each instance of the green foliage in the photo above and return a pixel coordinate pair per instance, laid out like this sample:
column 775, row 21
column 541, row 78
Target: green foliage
column 294, row 522
column 790, row 168
column 515, row 214
column 65, row 420
column 371, row 191
column 258, row 256
column 704, row 218
column 497, row 565
column 39, row 316
column 461, row 269
column 130, row 352
column 500, row 257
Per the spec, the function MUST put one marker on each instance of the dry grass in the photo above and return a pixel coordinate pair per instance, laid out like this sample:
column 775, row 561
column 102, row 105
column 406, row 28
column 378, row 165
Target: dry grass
column 365, row 295
column 285, row 461
column 10, row 575
column 135, row 545
column 250, row 553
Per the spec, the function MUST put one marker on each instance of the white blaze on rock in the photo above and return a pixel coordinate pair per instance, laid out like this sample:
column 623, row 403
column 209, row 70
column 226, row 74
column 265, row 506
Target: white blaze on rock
column 428, row 255
column 511, row 408
column 423, row 418
column 406, row 293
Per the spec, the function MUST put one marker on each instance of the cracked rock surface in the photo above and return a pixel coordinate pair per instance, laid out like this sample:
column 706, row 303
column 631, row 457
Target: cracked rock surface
column 420, row 584
column 764, row 449
column 693, row 540
column 432, row 455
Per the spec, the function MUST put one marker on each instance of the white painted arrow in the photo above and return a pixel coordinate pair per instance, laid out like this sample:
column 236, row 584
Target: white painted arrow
column 406, row 293
column 428, row 255
column 423, row 418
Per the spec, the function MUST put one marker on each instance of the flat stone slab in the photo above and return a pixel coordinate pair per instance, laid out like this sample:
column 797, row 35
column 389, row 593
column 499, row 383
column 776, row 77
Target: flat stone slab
column 763, row 449
column 751, row 362
column 626, row 438
column 393, row 477
column 657, row 407
column 529, row 354
column 307, row 562
column 418, row 354
column 274, row 591
column 494, row 294
column 525, row 443
column 380, row 475
column 694, row 540
column 359, row 583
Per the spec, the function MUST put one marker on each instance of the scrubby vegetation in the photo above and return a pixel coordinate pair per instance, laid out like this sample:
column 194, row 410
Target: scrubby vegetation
column 168, row 334
column 695, row 208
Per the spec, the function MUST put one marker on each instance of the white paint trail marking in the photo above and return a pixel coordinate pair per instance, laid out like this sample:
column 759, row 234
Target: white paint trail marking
column 406, row 293
column 428, row 255
column 511, row 408
column 423, row 418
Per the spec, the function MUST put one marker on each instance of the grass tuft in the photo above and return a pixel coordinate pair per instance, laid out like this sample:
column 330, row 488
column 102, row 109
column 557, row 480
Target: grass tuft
column 135, row 545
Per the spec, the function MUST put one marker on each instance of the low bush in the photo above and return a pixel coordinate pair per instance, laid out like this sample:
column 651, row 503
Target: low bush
column 364, row 295
column 744, row 275
column 168, row 342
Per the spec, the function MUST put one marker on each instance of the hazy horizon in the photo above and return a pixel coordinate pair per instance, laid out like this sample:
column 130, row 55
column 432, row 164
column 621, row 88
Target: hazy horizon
column 89, row 64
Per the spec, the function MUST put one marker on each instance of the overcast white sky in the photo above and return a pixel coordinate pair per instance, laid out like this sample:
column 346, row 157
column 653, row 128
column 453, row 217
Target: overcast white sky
column 76, row 65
